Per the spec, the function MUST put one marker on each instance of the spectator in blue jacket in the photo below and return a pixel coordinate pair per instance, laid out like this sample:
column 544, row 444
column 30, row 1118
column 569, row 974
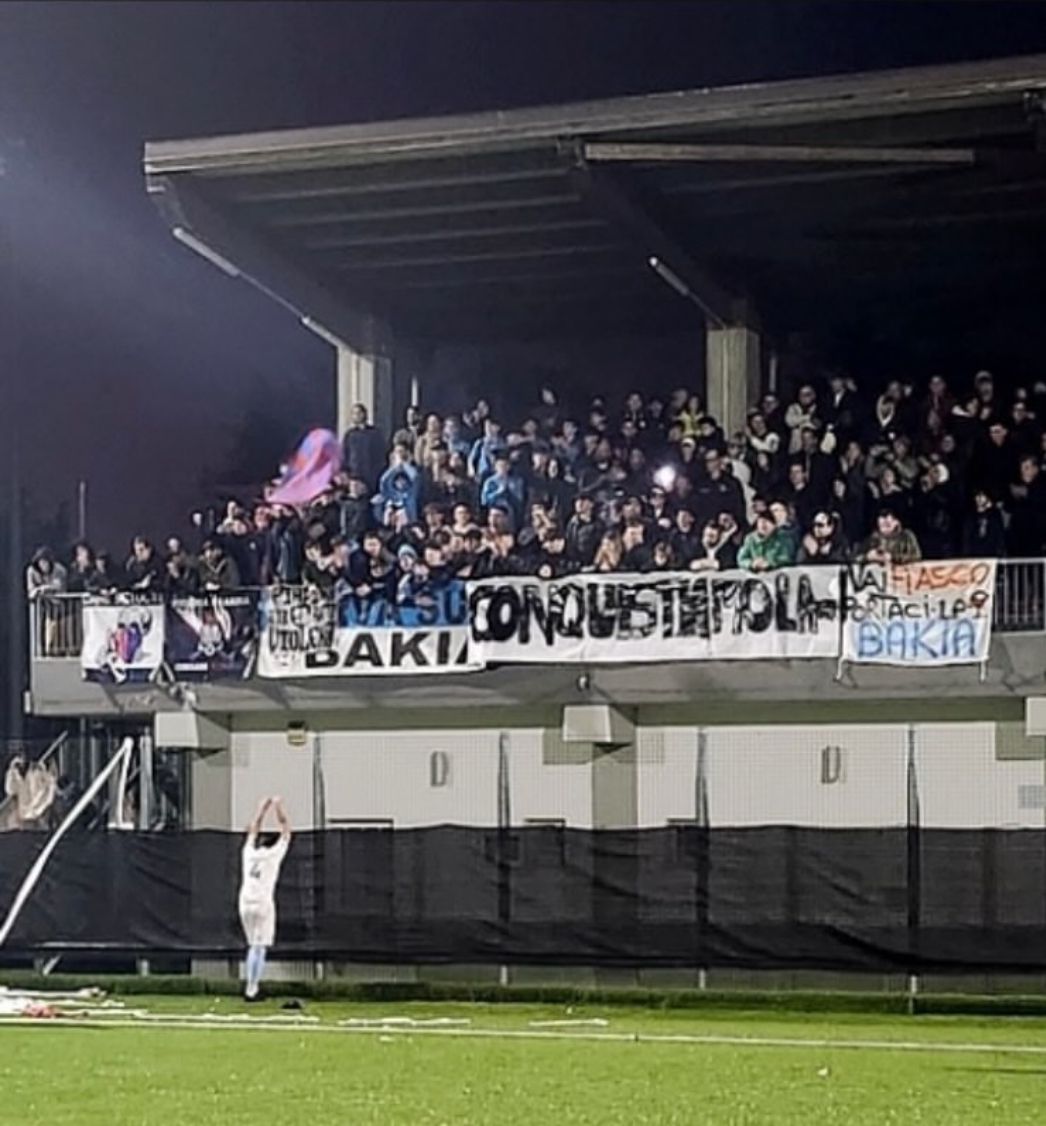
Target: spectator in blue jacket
column 400, row 486
column 504, row 489
column 453, row 437
column 481, row 456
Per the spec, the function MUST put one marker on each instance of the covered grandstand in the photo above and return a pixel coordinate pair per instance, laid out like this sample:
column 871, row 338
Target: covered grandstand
column 772, row 792
column 749, row 209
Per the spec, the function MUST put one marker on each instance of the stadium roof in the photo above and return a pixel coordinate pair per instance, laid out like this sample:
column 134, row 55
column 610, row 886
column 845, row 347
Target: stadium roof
column 825, row 192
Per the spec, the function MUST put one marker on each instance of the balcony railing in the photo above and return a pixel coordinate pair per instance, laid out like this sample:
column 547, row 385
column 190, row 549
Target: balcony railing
column 1020, row 607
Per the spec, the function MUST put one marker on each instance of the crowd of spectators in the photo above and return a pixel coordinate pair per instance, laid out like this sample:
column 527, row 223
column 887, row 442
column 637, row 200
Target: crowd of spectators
column 648, row 484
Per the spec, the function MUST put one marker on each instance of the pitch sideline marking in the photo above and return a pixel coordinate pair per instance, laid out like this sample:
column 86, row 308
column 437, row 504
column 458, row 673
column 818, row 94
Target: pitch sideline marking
column 196, row 1022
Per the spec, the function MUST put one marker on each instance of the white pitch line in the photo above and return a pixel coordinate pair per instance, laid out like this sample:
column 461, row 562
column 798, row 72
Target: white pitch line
column 173, row 1021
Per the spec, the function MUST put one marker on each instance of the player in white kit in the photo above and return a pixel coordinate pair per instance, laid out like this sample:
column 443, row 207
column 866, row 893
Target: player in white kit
column 261, row 870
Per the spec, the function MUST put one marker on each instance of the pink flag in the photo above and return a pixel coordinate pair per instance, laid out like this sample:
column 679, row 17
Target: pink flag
column 313, row 467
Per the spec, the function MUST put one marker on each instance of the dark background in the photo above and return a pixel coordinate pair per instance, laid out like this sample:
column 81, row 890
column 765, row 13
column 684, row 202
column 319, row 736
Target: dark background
column 128, row 362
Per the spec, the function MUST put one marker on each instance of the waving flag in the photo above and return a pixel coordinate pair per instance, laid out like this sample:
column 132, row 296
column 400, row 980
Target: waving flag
column 313, row 467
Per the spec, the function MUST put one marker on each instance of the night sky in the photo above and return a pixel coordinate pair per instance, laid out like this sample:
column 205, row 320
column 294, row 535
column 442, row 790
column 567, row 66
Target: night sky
column 134, row 360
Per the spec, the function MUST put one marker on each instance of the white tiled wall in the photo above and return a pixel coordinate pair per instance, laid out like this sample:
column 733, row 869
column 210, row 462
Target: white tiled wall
column 754, row 776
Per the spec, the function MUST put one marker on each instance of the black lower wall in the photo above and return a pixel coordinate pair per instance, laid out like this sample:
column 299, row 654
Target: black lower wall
column 768, row 897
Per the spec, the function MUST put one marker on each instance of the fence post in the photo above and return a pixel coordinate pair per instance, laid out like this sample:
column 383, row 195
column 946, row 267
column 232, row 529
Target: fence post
column 701, row 864
column 913, row 870
column 504, row 846
column 317, row 929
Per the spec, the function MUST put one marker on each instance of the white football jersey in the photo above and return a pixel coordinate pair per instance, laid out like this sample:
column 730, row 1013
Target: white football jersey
column 261, row 870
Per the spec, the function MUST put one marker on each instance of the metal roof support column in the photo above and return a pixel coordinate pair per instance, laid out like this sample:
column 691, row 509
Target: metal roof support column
column 733, row 374
column 367, row 379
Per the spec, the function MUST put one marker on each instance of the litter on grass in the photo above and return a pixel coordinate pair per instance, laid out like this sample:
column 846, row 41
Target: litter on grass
column 405, row 1022
column 592, row 1022
column 36, row 1004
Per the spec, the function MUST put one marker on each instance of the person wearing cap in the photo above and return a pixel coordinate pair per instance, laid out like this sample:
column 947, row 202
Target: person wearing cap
column 217, row 570
column 891, row 542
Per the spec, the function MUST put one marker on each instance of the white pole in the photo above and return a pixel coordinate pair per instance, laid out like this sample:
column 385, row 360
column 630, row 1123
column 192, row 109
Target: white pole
column 81, row 510
column 30, row 881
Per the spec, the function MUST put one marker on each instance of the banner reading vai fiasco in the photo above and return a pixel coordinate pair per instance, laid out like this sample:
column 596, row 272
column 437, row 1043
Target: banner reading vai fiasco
column 920, row 613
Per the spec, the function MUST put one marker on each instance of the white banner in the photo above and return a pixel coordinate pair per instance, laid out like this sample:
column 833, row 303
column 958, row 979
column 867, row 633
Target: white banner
column 122, row 643
column 929, row 614
column 685, row 616
column 305, row 634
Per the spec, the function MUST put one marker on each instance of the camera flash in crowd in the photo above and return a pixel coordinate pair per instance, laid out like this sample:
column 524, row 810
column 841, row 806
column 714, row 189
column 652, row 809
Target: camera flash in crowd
column 665, row 477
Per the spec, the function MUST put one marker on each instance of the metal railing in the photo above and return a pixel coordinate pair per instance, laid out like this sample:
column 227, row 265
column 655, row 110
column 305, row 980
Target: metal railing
column 56, row 621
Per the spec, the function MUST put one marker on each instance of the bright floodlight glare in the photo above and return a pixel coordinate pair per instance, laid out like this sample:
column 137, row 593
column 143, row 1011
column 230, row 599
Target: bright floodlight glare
column 321, row 332
column 187, row 238
column 665, row 477
column 669, row 276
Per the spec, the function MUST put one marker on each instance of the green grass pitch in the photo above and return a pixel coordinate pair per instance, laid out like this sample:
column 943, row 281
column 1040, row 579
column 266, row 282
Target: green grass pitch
column 641, row 1066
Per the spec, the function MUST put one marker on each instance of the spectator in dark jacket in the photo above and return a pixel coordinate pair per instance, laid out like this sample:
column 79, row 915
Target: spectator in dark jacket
column 364, row 447
column 143, row 570
column 45, row 575
column 103, row 580
column 181, row 577
column 217, row 571
column 842, row 410
column 937, row 512
column 717, row 491
column 983, row 534
column 995, row 462
column 80, row 569
column 282, row 546
column 825, row 542
column 717, row 552
column 1027, row 505
column 584, row 532
column 686, row 538
column 354, row 510
column 244, row 550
